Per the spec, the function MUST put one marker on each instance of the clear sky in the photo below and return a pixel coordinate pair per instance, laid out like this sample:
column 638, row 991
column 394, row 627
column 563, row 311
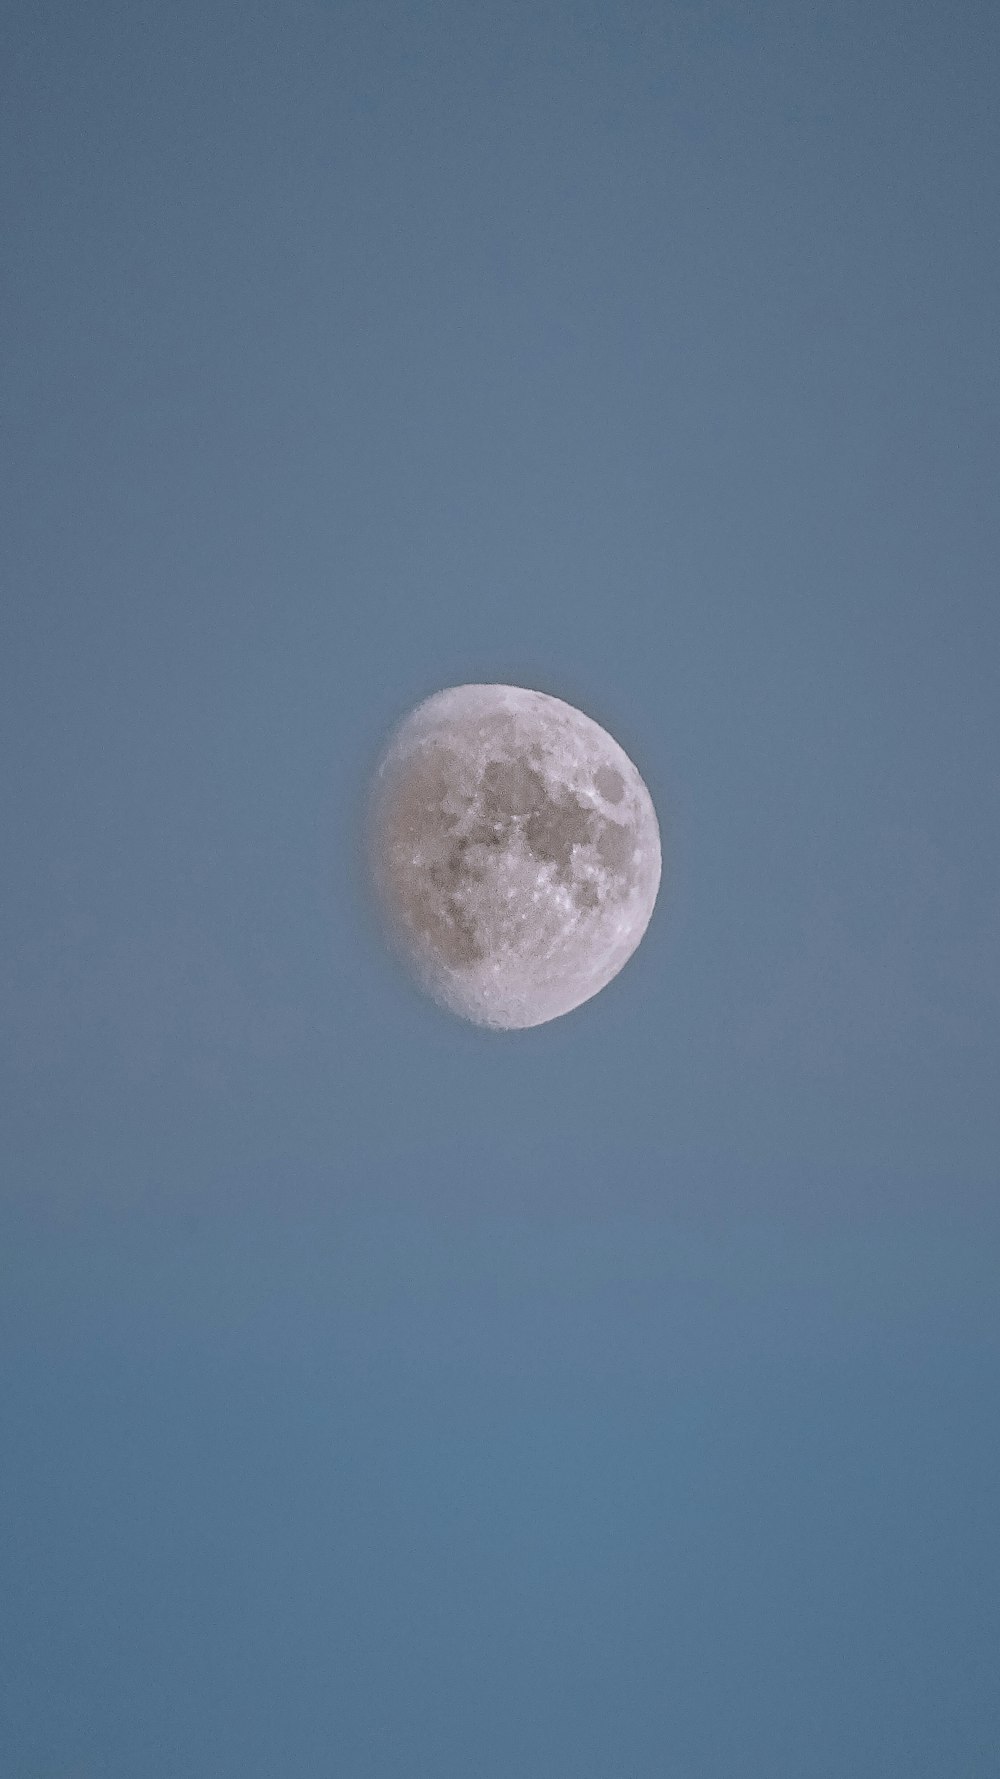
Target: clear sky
column 382, row 1398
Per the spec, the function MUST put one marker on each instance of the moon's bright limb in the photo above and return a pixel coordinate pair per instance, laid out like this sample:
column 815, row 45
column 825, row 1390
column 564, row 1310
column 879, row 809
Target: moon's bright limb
column 515, row 852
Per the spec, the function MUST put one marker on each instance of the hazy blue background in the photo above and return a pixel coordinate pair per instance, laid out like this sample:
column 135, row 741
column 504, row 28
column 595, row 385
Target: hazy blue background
column 381, row 1398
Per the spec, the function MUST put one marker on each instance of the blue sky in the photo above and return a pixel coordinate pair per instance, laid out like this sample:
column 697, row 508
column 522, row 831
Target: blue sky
column 382, row 1396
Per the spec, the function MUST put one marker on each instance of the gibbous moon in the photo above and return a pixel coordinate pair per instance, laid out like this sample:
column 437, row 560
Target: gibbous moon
column 515, row 853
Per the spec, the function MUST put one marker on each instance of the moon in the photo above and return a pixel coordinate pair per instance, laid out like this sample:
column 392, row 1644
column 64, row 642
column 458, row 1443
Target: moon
column 515, row 853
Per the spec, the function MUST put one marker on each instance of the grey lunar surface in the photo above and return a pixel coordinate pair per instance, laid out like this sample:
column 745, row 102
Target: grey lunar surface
column 515, row 852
